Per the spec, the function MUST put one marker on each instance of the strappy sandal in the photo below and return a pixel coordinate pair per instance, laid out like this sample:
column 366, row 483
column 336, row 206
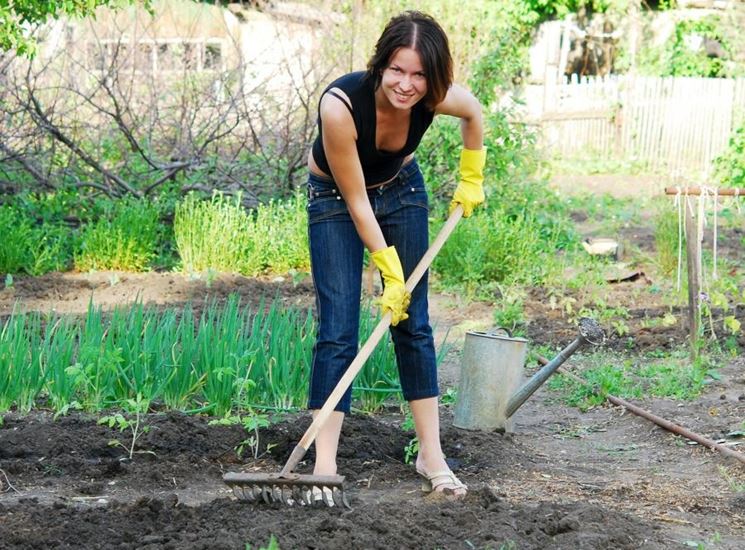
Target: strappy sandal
column 435, row 480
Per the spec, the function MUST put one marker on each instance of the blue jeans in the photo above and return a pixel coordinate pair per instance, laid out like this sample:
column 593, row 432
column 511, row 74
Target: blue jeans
column 336, row 253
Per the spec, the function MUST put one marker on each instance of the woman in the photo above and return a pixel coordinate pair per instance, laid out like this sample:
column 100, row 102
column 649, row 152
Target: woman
column 365, row 190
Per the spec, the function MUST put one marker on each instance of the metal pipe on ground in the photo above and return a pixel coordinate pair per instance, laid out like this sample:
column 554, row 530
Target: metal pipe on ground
column 670, row 426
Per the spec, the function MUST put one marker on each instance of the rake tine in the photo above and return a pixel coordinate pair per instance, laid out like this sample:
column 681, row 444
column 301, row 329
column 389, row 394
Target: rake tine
column 344, row 499
column 325, row 496
column 298, row 496
column 338, row 496
column 266, row 494
column 287, row 497
column 255, row 493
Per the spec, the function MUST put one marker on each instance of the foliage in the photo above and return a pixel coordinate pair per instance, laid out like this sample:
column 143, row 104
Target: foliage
column 230, row 358
column 29, row 247
column 251, row 421
column 138, row 407
column 126, row 238
column 220, row 235
column 17, row 18
column 684, row 53
column 667, row 237
column 627, row 379
column 503, row 244
column 729, row 167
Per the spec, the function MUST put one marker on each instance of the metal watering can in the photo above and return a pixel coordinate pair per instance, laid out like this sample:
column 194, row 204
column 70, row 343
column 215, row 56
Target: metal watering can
column 492, row 370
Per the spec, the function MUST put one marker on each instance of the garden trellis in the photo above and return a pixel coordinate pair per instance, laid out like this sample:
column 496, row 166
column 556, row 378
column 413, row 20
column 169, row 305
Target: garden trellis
column 691, row 223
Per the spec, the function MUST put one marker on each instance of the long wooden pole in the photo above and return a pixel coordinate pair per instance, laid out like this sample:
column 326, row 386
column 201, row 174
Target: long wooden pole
column 696, row 190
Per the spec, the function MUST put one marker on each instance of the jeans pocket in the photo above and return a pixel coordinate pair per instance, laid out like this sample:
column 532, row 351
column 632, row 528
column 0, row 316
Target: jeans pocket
column 324, row 206
column 413, row 193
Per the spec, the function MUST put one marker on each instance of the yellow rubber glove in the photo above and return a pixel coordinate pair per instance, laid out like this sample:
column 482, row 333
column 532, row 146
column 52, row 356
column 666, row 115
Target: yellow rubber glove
column 395, row 297
column 470, row 190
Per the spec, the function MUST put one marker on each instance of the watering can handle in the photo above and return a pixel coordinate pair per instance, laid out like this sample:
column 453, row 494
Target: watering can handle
column 493, row 332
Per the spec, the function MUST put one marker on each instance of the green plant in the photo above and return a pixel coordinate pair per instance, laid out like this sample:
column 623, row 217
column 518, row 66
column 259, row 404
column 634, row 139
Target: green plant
column 137, row 407
column 125, row 239
column 624, row 378
column 219, row 235
column 509, row 309
column 251, row 422
column 271, row 545
column 17, row 240
column 411, row 450
column 669, row 239
column 729, row 167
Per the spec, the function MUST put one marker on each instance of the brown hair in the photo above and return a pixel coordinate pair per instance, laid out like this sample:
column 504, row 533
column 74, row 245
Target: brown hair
column 420, row 32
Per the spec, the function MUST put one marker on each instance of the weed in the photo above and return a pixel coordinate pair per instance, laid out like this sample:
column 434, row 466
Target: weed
column 669, row 240
column 662, row 377
column 508, row 312
column 8, row 281
column 411, row 450
column 735, row 484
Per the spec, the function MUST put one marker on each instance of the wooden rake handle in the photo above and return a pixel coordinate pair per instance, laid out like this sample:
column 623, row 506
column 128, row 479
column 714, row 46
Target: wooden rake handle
column 369, row 346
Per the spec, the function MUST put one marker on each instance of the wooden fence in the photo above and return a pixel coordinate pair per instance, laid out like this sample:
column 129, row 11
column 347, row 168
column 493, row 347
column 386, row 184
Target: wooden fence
column 672, row 123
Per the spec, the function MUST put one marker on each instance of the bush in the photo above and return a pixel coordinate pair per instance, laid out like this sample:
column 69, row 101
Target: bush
column 124, row 239
column 17, row 239
column 498, row 246
column 729, row 168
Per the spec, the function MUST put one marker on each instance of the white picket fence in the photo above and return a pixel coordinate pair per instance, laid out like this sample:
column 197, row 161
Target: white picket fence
column 673, row 123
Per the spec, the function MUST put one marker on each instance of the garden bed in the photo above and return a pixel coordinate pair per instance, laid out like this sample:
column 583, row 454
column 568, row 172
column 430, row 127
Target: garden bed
column 602, row 478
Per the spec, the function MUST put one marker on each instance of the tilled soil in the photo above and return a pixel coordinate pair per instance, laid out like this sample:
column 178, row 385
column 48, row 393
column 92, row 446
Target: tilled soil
column 603, row 478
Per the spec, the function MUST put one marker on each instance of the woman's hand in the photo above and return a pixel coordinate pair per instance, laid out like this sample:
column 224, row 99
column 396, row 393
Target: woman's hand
column 470, row 190
column 395, row 296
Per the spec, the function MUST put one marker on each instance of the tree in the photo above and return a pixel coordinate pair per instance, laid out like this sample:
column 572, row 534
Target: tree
column 19, row 18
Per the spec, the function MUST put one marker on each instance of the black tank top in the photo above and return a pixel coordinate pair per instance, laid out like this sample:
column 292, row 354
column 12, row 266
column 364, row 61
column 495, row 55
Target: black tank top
column 377, row 165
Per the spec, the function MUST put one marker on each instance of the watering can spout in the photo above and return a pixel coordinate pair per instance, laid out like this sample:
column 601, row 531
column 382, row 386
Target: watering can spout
column 492, row 369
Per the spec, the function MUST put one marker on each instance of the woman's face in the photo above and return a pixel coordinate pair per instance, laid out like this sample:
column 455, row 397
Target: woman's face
column 403, row 82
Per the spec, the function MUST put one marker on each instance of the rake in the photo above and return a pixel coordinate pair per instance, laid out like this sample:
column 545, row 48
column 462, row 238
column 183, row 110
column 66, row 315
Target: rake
column 292, row 488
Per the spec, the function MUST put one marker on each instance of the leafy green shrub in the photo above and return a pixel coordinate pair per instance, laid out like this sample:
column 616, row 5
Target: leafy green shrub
column 126, row 239
column 729, row 168
column 17, row 240
column 681, row 56
column 278, row 237
column 497, row 246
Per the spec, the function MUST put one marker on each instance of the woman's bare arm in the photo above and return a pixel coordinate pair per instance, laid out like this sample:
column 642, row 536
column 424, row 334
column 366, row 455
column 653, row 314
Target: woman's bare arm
column 339, row 137
column 460, row 103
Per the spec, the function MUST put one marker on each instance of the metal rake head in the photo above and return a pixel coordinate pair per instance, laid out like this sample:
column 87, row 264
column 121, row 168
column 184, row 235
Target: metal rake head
column 292, row 489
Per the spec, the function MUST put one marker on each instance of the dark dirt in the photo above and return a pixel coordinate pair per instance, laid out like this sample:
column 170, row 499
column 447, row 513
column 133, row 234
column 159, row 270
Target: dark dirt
column 603, row 478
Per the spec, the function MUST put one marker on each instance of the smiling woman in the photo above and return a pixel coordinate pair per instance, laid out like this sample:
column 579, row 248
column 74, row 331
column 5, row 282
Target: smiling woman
column 365, row 190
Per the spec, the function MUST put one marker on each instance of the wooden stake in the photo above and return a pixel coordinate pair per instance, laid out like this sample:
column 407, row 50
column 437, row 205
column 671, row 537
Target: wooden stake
column 693, row 260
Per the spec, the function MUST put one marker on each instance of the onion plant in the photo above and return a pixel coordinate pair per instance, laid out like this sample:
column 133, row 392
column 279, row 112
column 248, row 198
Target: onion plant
column 229, row 358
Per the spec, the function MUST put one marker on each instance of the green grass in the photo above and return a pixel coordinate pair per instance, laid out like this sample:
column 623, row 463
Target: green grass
column 671, row 376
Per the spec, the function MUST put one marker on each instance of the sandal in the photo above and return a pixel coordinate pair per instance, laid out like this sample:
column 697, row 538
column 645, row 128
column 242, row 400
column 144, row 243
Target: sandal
column 432, row 482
